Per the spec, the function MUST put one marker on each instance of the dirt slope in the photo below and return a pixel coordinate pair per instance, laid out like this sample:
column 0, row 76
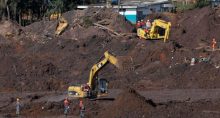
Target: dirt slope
column 35, row 60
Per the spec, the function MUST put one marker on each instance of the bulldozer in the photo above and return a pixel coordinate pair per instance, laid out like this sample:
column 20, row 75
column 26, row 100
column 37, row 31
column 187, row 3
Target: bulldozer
column 160, row 29
column 96, row 87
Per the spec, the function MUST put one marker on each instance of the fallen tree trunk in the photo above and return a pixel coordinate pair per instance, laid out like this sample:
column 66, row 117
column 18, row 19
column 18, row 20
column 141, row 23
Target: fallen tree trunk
column 106, row 28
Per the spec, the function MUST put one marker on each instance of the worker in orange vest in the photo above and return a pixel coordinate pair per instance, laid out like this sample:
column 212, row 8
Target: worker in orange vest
column 82, row 108
column 146, row 30
column 80, row 103
column 213, row 44
column 66, row 106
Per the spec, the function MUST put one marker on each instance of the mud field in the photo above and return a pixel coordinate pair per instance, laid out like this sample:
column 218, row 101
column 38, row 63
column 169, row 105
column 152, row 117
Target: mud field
column 38, row 67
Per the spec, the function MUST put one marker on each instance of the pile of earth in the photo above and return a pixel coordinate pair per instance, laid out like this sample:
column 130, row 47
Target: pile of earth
column 192, row 28
column 83, row 26
column 39, row 61
column 128, row 104
column 109, row 18
column 10, row 29
column 54, row 63
column 195, row 27
column 191, row 35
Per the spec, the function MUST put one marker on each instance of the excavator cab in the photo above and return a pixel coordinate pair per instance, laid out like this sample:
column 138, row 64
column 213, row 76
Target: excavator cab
column 160, row 31
column 102, row 87
column 99, row 88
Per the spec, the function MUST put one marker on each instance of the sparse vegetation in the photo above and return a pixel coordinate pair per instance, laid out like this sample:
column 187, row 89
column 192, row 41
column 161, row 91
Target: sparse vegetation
column 181, row 6
column 202, row 3
column 87, row 22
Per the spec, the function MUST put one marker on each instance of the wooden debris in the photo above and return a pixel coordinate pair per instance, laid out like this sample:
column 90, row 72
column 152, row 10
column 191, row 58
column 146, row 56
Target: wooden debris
column 106, row 28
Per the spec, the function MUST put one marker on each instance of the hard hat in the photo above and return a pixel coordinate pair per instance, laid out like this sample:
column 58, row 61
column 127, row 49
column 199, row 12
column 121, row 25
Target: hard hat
column 148, row 20
column 141, row 20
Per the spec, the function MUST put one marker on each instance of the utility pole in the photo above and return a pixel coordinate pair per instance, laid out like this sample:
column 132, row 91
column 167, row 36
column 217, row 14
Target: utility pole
column 119, row 4
column 108, row 3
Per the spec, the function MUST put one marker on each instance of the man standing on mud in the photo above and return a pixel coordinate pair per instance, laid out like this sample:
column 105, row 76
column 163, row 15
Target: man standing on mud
column 18, row 106
column 82, row 109
column 213, row 44
column 66, row 106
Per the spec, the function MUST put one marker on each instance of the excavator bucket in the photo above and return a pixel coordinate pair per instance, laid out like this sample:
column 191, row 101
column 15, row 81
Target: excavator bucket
column 121, row 62
column 62, row 25
column 125, row 63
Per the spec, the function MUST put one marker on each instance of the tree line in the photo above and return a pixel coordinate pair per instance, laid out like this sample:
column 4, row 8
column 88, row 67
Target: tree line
column 28, row 11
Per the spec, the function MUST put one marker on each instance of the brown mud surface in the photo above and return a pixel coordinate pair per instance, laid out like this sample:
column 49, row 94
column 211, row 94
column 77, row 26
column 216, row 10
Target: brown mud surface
column 34, row 60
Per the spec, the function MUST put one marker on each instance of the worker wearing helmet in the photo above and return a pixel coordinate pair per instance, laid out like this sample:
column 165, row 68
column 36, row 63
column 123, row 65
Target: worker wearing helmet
column 148, row 24
column 213, row 44
column 18, row 106
column 80, row 103
column 82, row 108
column 66, row 106
column 138, row 25
column 142, row 24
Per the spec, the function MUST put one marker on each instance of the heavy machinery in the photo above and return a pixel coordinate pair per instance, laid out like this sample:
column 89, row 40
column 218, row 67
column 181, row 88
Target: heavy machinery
column 54, row 16
column 61, row 26
column 160, row 29
column 95, row 87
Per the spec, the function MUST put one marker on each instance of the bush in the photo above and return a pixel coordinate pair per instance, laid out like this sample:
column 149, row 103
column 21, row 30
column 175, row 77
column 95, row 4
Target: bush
column 202, row 3
column 182, row 7
column 87, row 22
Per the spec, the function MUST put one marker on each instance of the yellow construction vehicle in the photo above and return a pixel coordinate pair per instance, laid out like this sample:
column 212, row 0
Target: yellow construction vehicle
column 61, row 26
column 95, row 87
column 54, row 16
column 160, row 29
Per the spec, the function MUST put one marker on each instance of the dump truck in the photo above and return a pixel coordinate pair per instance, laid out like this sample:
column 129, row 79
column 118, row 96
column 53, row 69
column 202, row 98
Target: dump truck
column 160, row 29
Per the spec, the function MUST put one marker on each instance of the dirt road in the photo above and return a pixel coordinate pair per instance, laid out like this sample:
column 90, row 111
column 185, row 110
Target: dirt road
column 184, row 95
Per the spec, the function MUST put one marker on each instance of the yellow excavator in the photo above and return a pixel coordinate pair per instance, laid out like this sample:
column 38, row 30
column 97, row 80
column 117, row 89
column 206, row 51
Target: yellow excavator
column 54, row 16
column 160, row 29
column 95, row 87
column 61, row 26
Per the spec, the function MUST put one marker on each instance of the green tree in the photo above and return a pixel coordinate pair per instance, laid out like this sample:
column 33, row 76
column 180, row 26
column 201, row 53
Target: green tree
column 202, row 3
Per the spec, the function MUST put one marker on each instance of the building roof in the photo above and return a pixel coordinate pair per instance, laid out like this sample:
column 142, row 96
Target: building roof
column 143, row 2
column 128, row 4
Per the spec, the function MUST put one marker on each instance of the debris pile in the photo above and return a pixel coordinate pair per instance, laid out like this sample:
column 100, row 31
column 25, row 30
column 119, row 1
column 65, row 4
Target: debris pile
column 36, row 60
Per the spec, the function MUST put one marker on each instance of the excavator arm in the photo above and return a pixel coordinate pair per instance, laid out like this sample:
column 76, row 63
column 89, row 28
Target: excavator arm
column 108, row 58
column 90, row 89
column 160, row 29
